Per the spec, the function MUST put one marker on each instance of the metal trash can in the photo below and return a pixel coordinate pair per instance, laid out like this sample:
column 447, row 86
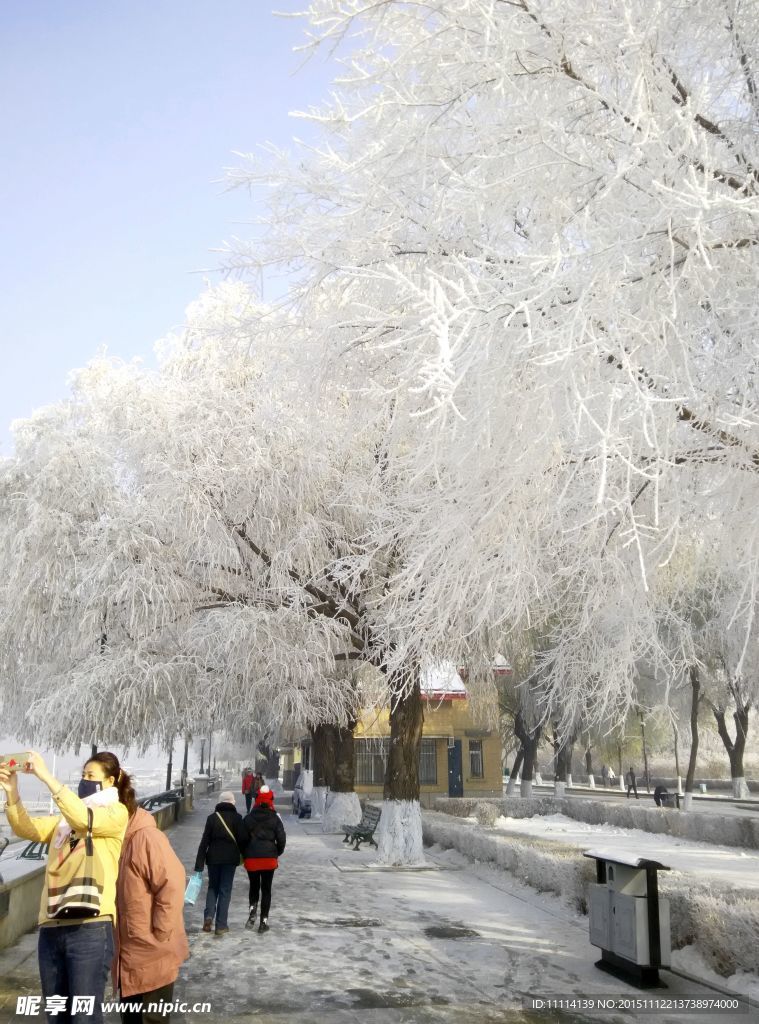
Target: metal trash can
column 628, row 921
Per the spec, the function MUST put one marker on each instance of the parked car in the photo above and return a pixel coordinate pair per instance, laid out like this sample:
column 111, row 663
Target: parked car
column 302, row 794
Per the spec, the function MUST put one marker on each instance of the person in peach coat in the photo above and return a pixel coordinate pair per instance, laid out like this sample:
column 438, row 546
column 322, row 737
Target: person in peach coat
column 151, row 940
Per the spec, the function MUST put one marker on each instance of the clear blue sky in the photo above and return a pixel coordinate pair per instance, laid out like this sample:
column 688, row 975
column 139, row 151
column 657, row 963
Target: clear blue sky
column 116, row 122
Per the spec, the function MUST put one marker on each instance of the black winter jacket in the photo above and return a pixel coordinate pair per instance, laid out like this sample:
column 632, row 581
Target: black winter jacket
column 265, row 833
column 217, row 846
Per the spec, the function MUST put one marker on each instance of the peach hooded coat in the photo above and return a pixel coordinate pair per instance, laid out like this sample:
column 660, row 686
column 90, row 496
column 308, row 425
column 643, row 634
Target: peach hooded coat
column 151, row 940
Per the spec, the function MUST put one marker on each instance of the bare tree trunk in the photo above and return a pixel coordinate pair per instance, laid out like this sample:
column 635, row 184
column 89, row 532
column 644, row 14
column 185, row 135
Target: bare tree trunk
column 646, row 773
column 185, row 758
column 589, row 767
column 323, row 744
column 735, row 748
column 323, row 740
column 342, row 805
column 529, row 740
column 512, row 783
column 562, row 750
column 400, row 830
column 169, row 767
column 406, row 720
column 344, row 770
column 676, row 733
column 690, row 778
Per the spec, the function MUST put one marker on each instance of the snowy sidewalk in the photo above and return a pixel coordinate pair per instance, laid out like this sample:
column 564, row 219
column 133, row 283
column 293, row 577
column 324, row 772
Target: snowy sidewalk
column 458, row 944
column 399, row 947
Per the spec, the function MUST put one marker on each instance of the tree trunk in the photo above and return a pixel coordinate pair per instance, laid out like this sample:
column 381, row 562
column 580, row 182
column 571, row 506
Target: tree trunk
column 169, row 768
column 676, row 733
column 323, row 741
column 735, row 748
column 529, row 740
column 512, row 783
column 690, row 778
column 343, row 806
column 589, row 767
column 399, row 834
column 646, row 773
column 570, row 755
column 323, row 745
column 561, row 751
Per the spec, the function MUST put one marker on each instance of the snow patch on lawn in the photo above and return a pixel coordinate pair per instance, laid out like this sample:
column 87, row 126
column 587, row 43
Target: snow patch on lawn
column 730, row 864
column 690, row 961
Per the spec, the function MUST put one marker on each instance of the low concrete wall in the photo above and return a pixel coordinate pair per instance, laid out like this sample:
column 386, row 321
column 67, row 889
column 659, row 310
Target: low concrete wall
column 717, row 918
column 20, row 897
column 720, row 829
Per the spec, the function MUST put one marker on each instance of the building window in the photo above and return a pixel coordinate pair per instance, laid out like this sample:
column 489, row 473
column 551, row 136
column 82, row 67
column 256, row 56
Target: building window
column 428, row 763
column 476, row 769
column 371, row 761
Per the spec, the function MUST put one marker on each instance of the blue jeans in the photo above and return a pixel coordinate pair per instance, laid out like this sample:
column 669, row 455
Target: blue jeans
column 75, row 960
column 220, row 879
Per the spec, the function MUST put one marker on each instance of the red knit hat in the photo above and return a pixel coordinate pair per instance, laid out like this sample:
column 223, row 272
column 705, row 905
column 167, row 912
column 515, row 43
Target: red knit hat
column 264, row 796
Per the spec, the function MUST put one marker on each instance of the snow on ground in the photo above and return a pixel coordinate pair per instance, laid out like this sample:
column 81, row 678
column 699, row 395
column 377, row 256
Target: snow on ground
column 436, row 947
column 706, row 861
column 463, row 943
column 689, row 961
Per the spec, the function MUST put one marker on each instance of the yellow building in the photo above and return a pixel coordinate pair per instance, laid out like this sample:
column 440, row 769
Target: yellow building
column 457, row 758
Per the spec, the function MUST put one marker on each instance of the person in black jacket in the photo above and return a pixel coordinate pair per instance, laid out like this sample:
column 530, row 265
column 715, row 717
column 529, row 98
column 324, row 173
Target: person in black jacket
column 223, row 840
column 265, row 843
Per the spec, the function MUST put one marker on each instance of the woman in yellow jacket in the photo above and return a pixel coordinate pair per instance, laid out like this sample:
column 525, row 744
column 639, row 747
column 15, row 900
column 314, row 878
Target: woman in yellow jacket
column 75, row 953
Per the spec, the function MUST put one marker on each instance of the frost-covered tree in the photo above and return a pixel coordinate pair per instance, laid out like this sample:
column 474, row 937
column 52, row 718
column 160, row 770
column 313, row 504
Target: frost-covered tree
column 252, row 539
column 732, row 684
column 532, row 224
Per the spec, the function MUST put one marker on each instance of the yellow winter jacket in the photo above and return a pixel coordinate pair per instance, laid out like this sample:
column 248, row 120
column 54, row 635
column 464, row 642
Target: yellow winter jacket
column 108, row 828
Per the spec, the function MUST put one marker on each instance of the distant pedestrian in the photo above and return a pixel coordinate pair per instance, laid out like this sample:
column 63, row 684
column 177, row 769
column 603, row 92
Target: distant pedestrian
column 248, row 782
column 151, row 940
column 266, row 843
column 660, row 795
column 631, row 782
column 612, row 773
column 220, row 847
column 605, row 776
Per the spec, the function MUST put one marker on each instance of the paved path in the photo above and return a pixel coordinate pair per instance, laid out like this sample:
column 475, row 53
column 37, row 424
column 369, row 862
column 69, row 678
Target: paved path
column 712, row 803
column 348, row 944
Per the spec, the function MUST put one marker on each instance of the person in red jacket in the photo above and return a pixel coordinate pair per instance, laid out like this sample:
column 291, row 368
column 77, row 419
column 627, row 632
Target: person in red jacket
column 151, row 940
column 266, row 843
column 248, row 784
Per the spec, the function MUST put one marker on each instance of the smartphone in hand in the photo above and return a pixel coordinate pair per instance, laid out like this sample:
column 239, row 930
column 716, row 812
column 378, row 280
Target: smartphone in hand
column 14, row 762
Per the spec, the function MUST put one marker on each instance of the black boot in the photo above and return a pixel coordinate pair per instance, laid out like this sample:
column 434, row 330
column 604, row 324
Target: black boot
column 251, row 922
column 264, row 926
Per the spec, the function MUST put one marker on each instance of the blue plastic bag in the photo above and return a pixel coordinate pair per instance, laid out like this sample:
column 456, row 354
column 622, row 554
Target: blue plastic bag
column 192, row 891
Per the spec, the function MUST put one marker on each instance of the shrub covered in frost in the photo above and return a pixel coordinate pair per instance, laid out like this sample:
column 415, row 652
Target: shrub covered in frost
column 486, row 814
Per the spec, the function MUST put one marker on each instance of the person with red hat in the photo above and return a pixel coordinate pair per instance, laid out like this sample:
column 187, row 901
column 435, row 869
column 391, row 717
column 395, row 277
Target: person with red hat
column 266, row 843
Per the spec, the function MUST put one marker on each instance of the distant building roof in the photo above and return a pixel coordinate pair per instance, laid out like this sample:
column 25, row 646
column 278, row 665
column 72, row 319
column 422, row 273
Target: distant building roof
column 441, row 681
